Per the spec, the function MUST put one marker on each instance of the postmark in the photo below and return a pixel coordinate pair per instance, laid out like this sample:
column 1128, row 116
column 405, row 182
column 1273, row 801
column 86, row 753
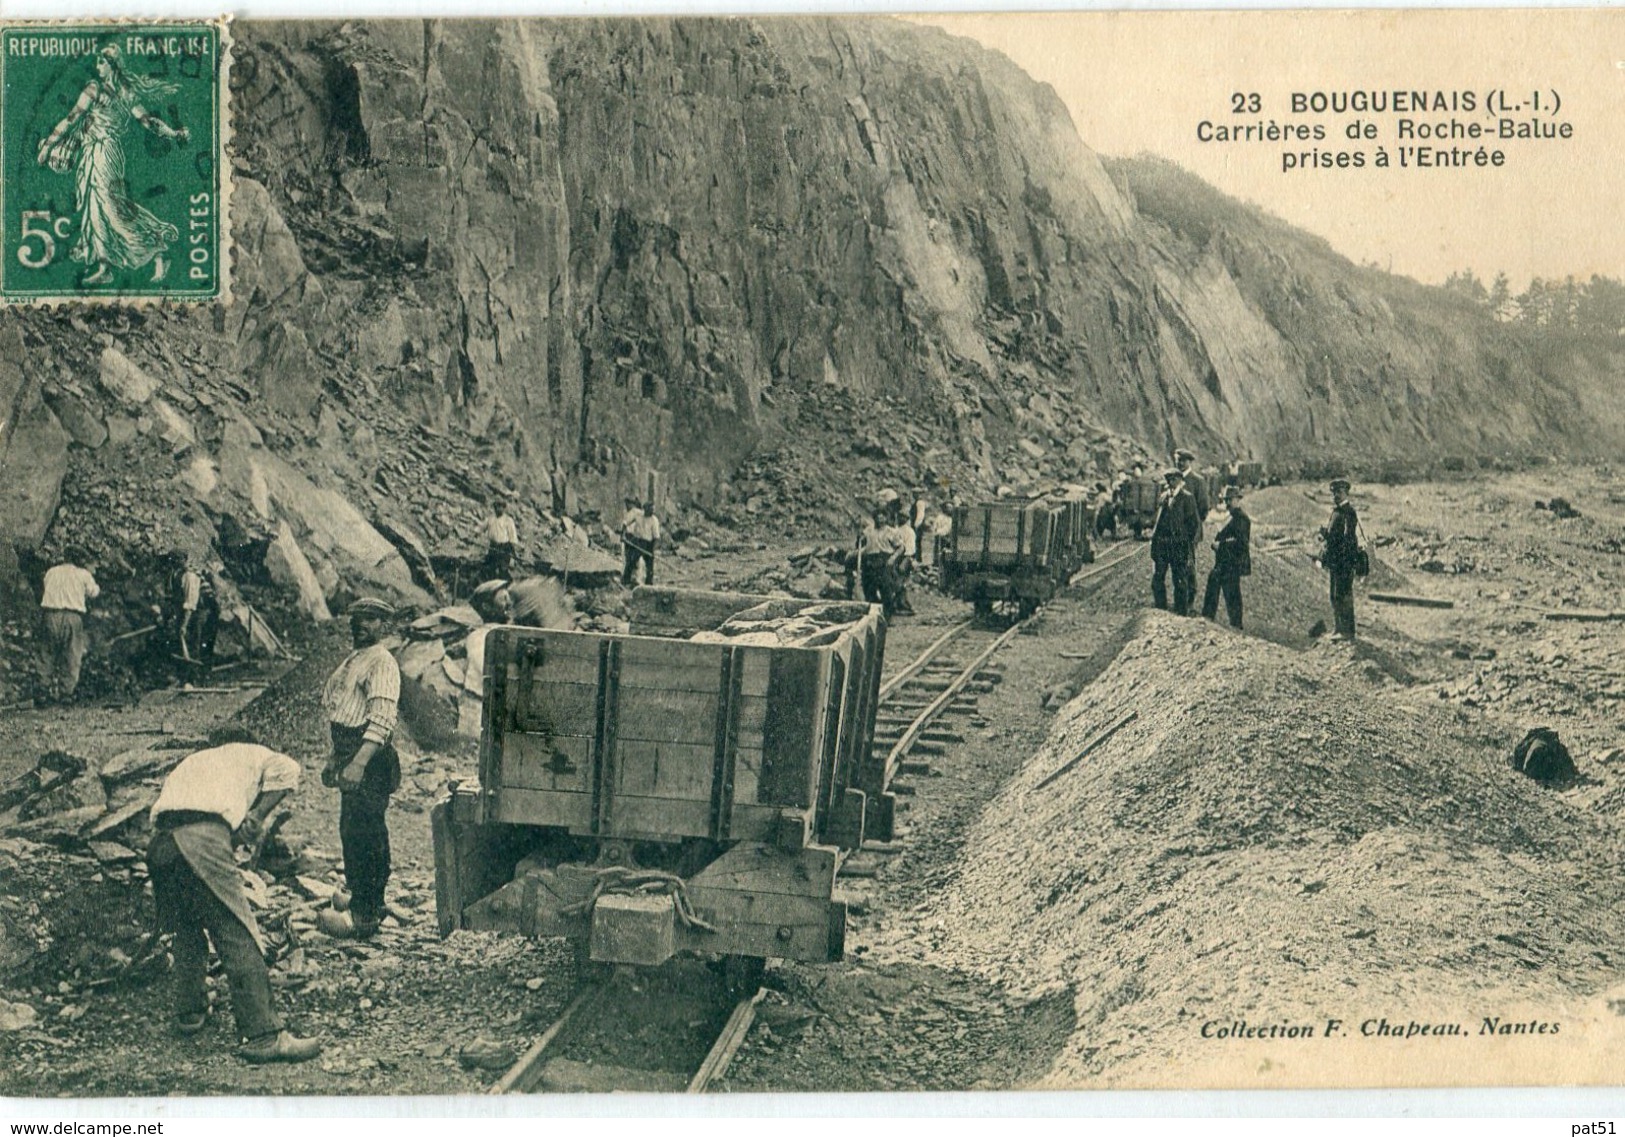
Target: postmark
column 114, row 186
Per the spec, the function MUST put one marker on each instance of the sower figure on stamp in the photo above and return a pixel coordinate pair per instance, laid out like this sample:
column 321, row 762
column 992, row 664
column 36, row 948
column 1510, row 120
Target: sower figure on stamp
column 114, row 231
column 1232, row 560
column 1341, row 555
column 362, row 699
column 217, row 797
column 1172, row 537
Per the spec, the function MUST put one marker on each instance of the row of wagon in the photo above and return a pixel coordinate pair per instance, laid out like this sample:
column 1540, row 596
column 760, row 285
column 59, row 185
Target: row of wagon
column 693, row 784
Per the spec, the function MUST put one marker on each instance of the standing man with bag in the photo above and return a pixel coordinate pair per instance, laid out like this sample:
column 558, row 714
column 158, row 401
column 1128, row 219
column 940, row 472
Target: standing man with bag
column 362, row 700
column 1341, row 558
column 1232, row 560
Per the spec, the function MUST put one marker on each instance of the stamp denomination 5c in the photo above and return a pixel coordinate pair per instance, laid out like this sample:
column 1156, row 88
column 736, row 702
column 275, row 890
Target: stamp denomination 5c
column 113, row 179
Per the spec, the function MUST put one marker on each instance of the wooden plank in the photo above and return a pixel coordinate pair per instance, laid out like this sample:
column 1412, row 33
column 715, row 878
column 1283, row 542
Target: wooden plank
column 533, row 762
column 1413, row 601
column 1090, row 747
column 747, row 774
column 555, row 645
column 649, row 715
column 696, row 673
column 663, row 769
column 517, row 806
column 756, row 667
column 557, row 708
column 1585, row 615
column 525, row 1073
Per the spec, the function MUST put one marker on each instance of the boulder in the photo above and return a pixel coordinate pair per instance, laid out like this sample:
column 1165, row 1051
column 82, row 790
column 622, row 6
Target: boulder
column 85, row 425
column 173, row 427
column 33, row 462
column 125, row 381
column 287, row 564
column 419, row 656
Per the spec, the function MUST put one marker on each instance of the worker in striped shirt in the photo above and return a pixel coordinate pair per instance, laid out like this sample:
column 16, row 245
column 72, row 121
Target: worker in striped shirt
column 361, row 699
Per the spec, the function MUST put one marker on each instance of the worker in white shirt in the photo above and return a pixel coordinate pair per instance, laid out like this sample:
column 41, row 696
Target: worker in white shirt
column 640, row 536
column 217, row 798
column 501, row 542
column 68, row 589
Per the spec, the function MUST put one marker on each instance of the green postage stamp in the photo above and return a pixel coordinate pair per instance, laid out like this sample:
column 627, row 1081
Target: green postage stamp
column 114, row 184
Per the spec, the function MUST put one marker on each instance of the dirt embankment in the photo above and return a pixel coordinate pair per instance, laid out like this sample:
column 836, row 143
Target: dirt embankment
column 1272, row 840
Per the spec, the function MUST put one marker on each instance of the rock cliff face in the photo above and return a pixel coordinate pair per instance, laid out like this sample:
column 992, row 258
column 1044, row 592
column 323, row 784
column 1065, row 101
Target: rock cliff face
column 1313, row 359
column 753, row 265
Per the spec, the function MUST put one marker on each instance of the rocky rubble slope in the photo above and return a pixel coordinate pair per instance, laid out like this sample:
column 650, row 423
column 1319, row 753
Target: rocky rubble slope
column 753, row 267
column 1334, row 854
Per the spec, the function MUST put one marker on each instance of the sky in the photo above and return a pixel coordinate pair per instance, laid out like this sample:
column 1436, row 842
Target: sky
column 1145, row 82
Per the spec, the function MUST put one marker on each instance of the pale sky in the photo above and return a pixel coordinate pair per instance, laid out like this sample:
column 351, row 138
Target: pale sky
column 1143, row 81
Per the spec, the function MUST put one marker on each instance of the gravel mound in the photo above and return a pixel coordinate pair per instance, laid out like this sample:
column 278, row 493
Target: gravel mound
column 1271, row 839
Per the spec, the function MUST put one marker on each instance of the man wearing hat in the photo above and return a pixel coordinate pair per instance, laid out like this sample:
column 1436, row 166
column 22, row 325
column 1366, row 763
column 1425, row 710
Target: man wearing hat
column 361, row 699
column 1172, row 537
column 1199, row 490
column 1338, row 558
column 1232, row 560
column 640, row 534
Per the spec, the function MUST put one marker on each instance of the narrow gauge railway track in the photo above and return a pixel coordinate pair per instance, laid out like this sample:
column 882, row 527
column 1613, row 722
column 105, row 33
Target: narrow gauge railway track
column 938, row 683
column 594, row 1006
column 942, row 682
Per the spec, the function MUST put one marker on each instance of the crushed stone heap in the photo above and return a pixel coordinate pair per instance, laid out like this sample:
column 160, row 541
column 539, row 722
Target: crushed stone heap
column 1272, row 839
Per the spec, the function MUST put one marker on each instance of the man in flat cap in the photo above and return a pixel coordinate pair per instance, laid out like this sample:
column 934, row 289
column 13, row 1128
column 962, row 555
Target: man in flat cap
column 1341, row 553
column 1172, row 537
column 1232, row 560
column 361, row 699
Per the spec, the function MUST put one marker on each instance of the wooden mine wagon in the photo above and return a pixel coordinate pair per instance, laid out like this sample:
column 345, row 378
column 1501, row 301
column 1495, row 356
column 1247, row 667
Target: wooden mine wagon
column 653, row 793
column 1137, row 505
column 1014, row 555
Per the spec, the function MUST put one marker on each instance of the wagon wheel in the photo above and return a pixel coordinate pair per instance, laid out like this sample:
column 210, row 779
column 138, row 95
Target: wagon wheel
column 1026, row 606
column 983, row 607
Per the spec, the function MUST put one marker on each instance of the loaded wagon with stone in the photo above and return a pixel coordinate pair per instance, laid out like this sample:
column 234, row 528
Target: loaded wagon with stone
column 1137, row 505
column 689, row 786
column 1011, row 556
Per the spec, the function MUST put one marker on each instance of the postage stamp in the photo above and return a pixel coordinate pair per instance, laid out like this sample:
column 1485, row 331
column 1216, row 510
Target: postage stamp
column 113, row 183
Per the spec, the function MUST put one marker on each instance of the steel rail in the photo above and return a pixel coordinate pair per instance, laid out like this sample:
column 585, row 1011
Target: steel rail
column 924, row 719
column 521, row 1076
column 727, row 1044
column 891, row 685
column 1110, row 560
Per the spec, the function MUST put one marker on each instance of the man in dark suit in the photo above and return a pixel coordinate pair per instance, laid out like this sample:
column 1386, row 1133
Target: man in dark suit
column 1232, row 560
column 1173, row 535
column 1196, row 485
column 1339, row 557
